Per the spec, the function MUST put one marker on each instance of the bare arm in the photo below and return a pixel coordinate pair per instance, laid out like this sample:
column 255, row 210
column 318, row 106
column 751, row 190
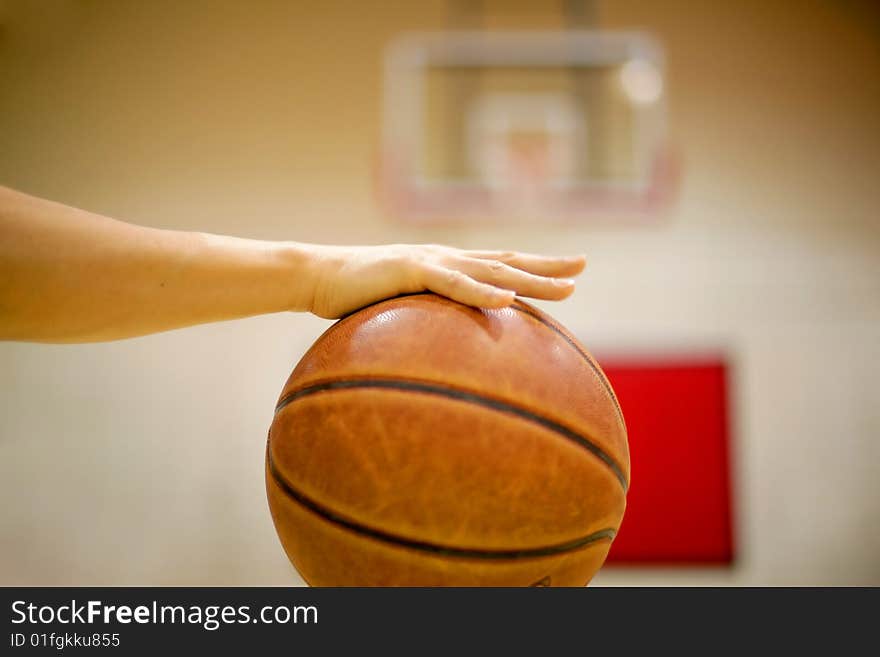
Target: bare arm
column 67, row 275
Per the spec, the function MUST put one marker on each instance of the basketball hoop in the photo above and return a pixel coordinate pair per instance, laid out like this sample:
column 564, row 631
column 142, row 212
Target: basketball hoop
column 523, row 148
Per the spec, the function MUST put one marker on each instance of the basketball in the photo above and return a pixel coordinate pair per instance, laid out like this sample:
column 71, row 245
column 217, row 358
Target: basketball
column 422, row 442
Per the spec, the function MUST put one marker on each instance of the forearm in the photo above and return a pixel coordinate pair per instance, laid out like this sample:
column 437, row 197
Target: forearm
column 67, row 275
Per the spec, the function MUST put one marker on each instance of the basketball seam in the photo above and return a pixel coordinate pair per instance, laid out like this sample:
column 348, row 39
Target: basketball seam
column 518, row 305
column 463, row 396
column 593, row 365
column 426, row 546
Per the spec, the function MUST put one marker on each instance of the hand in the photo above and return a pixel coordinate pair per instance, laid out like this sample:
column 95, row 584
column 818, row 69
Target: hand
column 348, row 278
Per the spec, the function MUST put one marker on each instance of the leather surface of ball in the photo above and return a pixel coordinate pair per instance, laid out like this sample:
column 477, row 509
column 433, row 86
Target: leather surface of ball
column 421, row 442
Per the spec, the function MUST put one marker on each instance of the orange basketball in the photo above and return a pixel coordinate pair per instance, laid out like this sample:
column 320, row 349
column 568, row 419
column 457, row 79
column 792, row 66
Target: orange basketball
column 421, row 442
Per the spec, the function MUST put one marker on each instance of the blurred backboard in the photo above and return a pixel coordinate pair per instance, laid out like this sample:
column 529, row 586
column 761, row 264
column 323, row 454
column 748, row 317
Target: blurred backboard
column 535, row 125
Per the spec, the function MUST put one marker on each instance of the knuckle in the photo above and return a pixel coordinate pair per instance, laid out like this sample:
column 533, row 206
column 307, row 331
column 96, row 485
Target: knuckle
column 405, row 262
column 429, row 253
column 496, row 266
column 454, row 278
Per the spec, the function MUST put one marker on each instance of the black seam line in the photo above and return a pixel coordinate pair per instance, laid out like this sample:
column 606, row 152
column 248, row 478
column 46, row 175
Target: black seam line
column 589, row 360
column 433, row 548
column 460, row 395
column 526, row 310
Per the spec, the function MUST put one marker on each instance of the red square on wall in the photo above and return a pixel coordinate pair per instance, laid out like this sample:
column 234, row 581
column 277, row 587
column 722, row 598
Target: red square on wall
column 679, row 501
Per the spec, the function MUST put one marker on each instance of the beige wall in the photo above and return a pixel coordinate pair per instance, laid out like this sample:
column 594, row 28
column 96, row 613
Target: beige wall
column 140, row 462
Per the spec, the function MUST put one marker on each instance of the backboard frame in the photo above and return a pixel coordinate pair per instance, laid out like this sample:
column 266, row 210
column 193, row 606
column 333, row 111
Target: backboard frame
column 411, row 195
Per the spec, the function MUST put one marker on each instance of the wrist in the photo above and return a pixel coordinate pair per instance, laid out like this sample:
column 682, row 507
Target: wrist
column 301, row 267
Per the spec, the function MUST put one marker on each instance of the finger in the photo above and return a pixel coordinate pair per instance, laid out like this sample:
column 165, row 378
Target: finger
column 522, row 282
column 462, row 288
column 535, row 264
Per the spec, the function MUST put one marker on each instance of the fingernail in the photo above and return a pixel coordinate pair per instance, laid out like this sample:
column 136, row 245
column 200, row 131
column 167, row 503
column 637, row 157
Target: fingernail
column 563, row 282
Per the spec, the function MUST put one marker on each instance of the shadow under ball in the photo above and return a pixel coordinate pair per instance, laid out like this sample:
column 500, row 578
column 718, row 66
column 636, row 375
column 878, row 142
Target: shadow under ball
column 421, row 442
